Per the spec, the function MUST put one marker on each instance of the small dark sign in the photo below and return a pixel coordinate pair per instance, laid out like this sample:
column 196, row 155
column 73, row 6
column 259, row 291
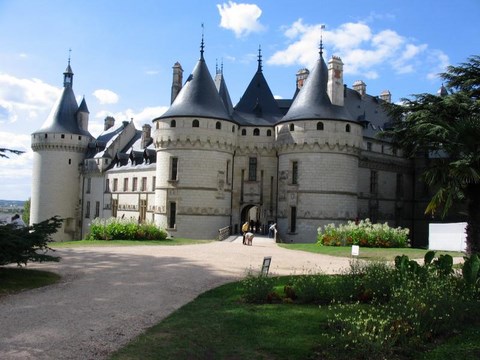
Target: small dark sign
column 266, row 265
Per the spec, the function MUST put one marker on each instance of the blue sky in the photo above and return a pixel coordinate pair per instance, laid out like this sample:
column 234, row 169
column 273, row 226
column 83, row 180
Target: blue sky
column 122, row 53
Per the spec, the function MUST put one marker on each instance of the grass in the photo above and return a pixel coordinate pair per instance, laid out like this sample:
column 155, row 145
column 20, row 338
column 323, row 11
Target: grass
column 167, row 242
column 15, row 279
column 377, row 254
column 218, row 325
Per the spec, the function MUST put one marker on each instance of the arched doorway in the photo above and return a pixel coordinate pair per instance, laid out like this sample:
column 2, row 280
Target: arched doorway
column 253, row 214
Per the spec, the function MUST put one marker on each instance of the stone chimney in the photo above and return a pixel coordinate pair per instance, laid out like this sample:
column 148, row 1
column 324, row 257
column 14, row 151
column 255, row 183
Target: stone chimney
column 108, row 123
column 335, row 87
column 360, row 87
column 385, row 95
column 176, row 81
column 146, row 135
column 302, row 75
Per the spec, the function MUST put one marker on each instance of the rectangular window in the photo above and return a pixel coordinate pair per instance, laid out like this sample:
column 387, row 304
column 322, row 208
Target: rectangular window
column 134, row 184
column 154, row 180
column 87, row 210
column 252, row 169
column 89, row 185
column 173, row 213
column 115, row 184
column 373, row 182
column 369, row 146
column 125, row 184
column 294, row 172
column 144, row 184
column 114, row 207
column 227, row 171
column 143, row 210
column 97, row 209
column 293, row 219
column 174, row 169
column 107, row 185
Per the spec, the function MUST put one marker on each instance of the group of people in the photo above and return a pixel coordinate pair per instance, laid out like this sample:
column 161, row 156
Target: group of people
column 248, row 234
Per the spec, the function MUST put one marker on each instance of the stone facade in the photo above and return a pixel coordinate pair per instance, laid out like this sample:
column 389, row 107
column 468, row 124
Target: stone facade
column 206, row 165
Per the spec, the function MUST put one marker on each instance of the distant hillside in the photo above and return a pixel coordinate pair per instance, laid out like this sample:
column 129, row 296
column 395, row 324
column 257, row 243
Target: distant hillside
column 11, row 203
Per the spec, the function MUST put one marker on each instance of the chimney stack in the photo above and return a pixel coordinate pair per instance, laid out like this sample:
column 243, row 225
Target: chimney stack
column 146, row 135
column 335, row 87
column 176, row 81
column 360, row 87
column 385, row 95
column 108, row 123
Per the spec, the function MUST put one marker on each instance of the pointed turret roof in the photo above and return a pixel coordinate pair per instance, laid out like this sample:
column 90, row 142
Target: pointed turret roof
column 62, row 118
column 223, row 91
column 257, row 106
column 312, row 101
column 199, row 96
column 83, row 106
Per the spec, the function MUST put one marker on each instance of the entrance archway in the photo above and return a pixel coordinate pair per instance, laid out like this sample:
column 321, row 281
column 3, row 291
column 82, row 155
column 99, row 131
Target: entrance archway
column 252, row 214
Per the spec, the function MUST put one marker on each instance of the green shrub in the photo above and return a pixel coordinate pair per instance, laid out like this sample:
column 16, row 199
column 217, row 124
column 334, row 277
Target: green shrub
column 316, row 288
column 119, row 229
column 257, row 289
column 363, row 234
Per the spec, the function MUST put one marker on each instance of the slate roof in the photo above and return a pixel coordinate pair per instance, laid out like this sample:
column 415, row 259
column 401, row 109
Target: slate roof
column 198, row 97
column 312, row 101
column 257, row 106
column 223, row 91
column 63, row 116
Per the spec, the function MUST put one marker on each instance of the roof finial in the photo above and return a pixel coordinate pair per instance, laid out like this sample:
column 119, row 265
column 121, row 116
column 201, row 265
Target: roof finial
column 221, row 68
column 321, row 39
column 69, row 54
column 259, row 58
column 202, row 45
column 216, row 66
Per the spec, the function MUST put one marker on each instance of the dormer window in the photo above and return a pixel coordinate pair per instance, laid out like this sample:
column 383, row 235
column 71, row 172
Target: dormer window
column 292, row 127
column 320, row 125
column 195, row 123
column 347, row 128
column 218, row 125
column 256, row 132
column 173, row 123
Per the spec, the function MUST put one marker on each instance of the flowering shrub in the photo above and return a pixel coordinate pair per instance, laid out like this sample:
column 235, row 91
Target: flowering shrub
column 257, row 289
column 119, row 229
column 364, row 234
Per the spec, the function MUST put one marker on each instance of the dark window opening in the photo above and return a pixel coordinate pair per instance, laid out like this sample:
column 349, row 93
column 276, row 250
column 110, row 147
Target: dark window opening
column 172, row 218
column 195, row 123
column 256, row 132
column 252, row 169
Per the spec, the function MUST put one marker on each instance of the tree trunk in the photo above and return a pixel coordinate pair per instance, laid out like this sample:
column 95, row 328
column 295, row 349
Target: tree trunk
column 473, row 221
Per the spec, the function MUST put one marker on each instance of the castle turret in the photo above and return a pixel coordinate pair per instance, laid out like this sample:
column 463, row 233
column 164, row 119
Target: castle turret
column 59, row 148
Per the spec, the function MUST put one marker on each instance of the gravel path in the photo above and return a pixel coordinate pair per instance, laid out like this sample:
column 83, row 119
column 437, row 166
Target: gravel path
column 108, row 295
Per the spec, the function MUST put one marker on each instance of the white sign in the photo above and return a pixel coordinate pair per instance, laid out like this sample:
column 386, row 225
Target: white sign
column 447, row 237
column 355, row 250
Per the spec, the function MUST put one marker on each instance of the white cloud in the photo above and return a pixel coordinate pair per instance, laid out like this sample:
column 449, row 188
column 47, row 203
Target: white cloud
column 438, row 62
column 364, row 52
column 242, row 19
column 105, row 96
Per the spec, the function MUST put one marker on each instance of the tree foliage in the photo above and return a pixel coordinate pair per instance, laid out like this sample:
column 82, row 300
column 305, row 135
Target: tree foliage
column 4, row 151
column 445, row 131
column 26, row 211
column 23, row 244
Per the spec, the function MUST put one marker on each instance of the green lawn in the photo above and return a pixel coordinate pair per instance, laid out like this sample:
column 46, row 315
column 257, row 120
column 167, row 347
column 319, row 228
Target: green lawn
column 366, row 253
column 15, row 279
column 219, row 325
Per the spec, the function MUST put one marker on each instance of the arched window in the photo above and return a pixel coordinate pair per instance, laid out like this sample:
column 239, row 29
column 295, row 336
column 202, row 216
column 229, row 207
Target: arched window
column 195, row 123
column 173, row 123
column 256, row 132
column 292, row 127
column 347, row 128
column 218, row 125
column 244, row 132
column 269, row 132
column 233, row 128
column 320, row 125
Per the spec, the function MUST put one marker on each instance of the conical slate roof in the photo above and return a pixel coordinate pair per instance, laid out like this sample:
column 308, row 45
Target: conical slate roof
column 83, row 107
column 63, row 116
column 223, row 91
column 257, row 106
column 312, row 101
column 198, row 97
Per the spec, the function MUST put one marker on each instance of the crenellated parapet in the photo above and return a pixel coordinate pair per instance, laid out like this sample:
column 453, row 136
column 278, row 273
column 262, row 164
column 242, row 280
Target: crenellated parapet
column 59, row 142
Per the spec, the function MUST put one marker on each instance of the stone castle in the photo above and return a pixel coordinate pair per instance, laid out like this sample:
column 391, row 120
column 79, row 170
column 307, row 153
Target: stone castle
column 207, row 165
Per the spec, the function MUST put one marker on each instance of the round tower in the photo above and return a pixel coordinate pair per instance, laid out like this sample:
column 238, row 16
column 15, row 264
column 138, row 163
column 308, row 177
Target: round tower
column 194, row 140
column 318, row 146
column 59, row 148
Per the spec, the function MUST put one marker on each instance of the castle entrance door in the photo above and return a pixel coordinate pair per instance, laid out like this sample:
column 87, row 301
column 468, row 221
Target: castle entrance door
column 253, row 214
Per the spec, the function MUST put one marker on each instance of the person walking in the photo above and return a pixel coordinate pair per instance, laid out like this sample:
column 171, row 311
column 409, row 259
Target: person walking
column 245, row 228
